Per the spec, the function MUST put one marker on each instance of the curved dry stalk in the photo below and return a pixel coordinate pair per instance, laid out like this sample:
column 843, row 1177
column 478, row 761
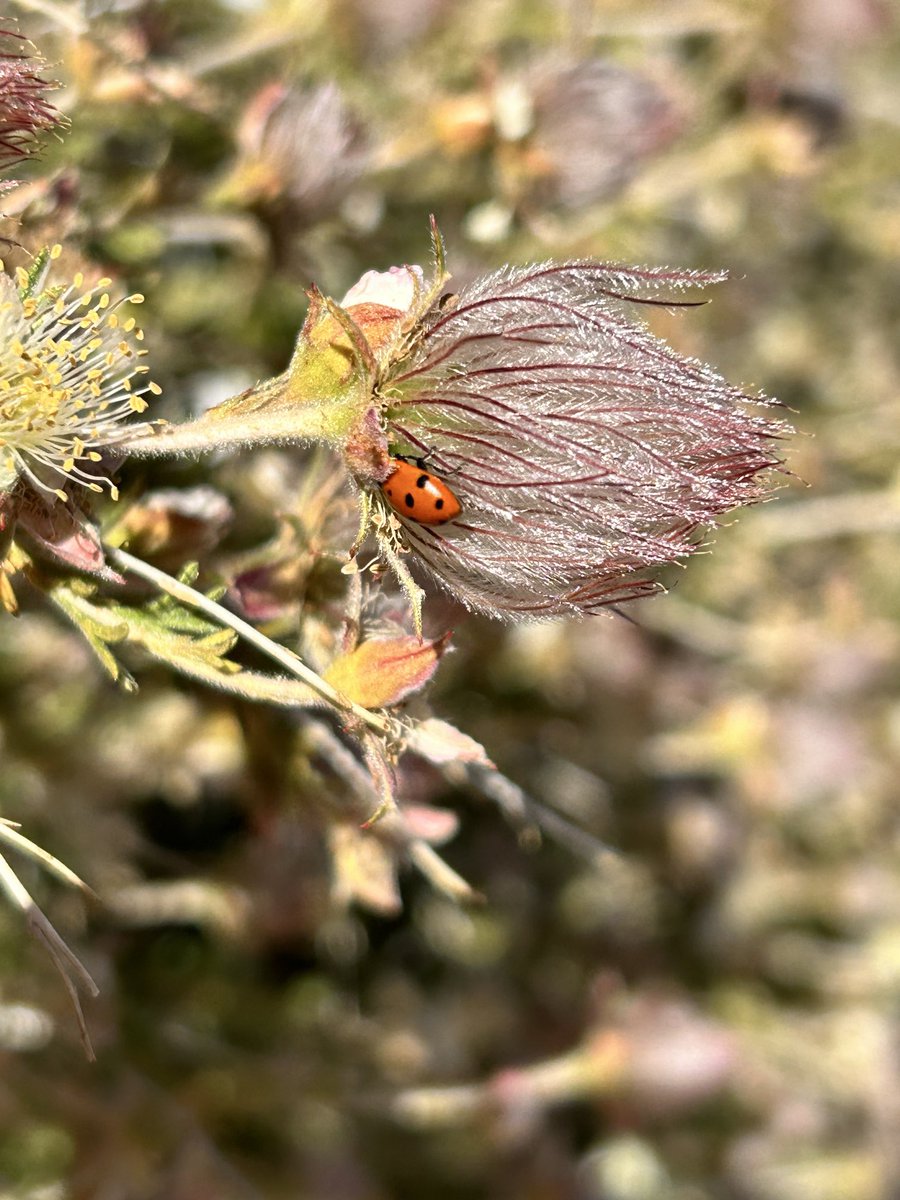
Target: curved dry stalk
column 9, row 833
column 73, row 971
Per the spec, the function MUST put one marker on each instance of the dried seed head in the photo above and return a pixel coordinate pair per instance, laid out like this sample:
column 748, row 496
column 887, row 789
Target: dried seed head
column 25, row 112
column 300, row 149
column 595, row 123
column 584, row 452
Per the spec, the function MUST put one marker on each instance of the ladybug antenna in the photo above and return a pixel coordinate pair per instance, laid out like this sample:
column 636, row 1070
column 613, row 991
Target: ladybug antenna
column 620, row 612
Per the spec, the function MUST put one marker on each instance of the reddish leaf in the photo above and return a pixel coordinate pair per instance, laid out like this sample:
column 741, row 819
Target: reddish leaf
column 385, row 671
column 65, row 537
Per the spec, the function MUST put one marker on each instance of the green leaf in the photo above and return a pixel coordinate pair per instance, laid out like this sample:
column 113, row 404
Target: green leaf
column 163, row 628
column 101, row 627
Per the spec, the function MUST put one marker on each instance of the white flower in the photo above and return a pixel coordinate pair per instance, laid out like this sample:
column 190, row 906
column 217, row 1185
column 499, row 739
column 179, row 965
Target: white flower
column 68, row 363
column 395, row 288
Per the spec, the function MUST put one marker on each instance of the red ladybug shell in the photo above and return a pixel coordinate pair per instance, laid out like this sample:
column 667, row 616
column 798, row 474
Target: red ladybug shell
column 418, row 495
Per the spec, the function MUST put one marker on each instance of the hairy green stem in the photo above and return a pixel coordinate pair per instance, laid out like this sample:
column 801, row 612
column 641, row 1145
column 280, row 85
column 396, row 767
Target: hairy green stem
column 280, row 654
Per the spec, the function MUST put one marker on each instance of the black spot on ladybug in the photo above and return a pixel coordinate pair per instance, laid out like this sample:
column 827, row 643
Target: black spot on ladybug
column 422, row 481
column 410, row 500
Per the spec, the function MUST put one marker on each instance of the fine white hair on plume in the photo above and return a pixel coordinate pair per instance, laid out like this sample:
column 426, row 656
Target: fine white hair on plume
column 585, row 452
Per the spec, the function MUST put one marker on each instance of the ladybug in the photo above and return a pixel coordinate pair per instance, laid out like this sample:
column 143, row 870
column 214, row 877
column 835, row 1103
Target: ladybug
column 416, row 494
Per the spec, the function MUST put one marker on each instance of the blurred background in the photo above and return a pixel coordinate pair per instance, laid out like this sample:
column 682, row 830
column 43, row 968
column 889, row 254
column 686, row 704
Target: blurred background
column 286, row 1010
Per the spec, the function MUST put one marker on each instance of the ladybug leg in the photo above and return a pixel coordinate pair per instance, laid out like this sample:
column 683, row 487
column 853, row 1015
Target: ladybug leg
column 422, row 464
column 420, row 461
column 444, row 472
